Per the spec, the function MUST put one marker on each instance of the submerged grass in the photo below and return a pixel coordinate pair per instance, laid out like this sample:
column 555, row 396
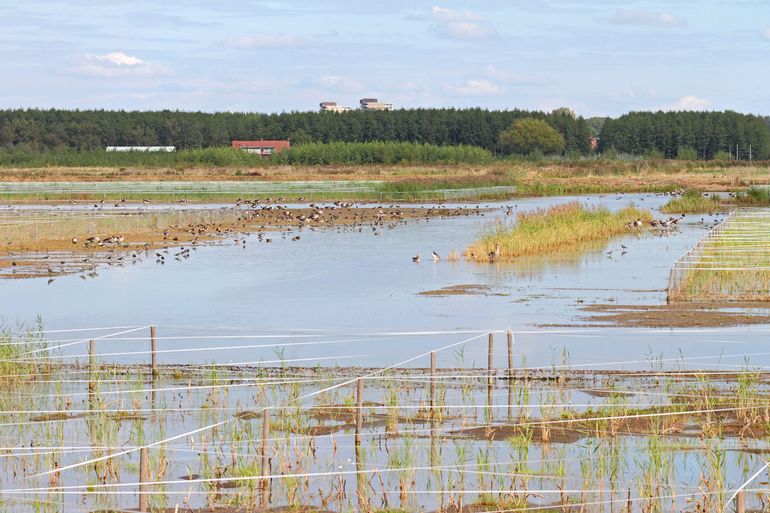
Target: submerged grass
column 557, row 229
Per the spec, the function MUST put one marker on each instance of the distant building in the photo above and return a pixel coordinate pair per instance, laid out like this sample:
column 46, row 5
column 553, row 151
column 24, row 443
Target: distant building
column 333, row 107
column 147, row 149
column 263, row 148
column 374, row 104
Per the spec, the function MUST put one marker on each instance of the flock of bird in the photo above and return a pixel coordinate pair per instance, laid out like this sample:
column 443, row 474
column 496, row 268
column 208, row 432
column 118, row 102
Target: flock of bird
column 264, row 217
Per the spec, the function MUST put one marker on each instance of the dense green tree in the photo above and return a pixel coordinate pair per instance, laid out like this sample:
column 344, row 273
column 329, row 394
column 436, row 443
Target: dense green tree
column 91, row 130
column 529, row 135
column 705, row 134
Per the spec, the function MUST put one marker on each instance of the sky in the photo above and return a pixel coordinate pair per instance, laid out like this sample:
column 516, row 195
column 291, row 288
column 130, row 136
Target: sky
column 598, row 57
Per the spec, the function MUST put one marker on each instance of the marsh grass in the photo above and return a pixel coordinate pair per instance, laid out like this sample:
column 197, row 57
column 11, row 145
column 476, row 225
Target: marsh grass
column 693, row 202
column 557, row 229
column 731, row 263
column 15, row 366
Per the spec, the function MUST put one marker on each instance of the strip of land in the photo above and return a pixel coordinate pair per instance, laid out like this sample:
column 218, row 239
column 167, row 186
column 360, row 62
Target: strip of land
column 404, row 182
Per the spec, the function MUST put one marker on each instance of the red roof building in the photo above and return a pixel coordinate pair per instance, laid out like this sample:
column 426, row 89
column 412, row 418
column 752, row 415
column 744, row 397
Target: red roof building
column 263, row 148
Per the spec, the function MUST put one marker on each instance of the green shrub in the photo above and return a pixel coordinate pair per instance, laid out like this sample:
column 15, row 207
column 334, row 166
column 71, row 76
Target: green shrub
column 686, row 153
column 377, row 152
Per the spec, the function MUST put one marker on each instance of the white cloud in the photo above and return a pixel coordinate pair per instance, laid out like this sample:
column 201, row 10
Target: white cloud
column 117, row 58
column 766, row 34
column 116, row 64
column 690, row 103
column 267, row 41
column 338, row 83
column 462, row 24
column 648, row 18
column 476, row 88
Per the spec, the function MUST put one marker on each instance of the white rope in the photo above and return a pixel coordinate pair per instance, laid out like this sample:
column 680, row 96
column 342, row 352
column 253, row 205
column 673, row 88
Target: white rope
column 227, row 421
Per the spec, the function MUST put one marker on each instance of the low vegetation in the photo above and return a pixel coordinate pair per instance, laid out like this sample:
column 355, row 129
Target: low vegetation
column 692, row 202
column 338, row 153
column 695, row 202
column 559, row 228
column 731, row 263
column 15, row 363
column 382, row 153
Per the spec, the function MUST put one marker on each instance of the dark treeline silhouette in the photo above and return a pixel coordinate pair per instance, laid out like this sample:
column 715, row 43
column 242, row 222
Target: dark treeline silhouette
column 90, row 130
column 701, row 135
column 692, row 135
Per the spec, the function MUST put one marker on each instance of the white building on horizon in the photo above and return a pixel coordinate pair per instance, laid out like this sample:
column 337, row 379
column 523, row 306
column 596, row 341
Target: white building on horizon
column 145, row 149
column 374, row 104
column 333, row 107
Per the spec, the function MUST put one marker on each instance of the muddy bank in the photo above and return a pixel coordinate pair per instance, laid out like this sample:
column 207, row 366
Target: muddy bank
column 37, row 246
column 461, row 290
column 693, row 315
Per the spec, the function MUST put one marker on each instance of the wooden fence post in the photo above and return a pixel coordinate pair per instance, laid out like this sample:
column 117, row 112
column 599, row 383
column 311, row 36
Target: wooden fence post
column 490, row 370
column 144, row 478
column 510, row 375
column 740, row 502
column 153, row 334
column 490, row 353
column 510, row 354
column 360, row 477
column 265, row 441
column 359, row 409
column 91, row 373
column 432, row 384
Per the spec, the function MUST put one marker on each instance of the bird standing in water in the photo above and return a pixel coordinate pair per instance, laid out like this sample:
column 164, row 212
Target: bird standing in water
column 436, row 257
column 416, row 258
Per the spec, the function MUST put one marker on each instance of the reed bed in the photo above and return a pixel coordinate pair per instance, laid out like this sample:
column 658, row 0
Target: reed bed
column 558, row 229
column 731, row 263
column 693, row 202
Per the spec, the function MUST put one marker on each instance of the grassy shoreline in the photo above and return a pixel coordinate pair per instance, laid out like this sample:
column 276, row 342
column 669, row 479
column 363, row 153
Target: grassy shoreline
column 419, row 183
column 557, row 229
column 695, row 202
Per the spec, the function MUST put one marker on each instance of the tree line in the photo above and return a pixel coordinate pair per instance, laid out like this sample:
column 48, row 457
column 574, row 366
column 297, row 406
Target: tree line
column 688, row 135
column 95, row 129
column 692, row 135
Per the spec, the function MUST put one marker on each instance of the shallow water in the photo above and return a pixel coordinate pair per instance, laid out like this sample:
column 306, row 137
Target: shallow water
column 351, row 298
column 348, row 282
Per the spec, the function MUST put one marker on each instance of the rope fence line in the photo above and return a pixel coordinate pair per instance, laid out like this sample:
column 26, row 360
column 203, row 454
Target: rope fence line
column 731, row 262
column 228, row 421
column 347, row 380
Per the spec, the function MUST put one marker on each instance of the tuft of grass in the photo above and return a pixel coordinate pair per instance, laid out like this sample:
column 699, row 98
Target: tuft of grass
column 692, row 202
column 559, row 228
column 16, row 365
column 754, row 197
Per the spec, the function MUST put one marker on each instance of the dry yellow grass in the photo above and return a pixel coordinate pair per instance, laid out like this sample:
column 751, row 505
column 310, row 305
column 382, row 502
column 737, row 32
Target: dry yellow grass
column 559, row 228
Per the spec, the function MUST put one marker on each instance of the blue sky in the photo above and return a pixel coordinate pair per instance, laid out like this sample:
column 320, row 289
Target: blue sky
column 598, row 57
